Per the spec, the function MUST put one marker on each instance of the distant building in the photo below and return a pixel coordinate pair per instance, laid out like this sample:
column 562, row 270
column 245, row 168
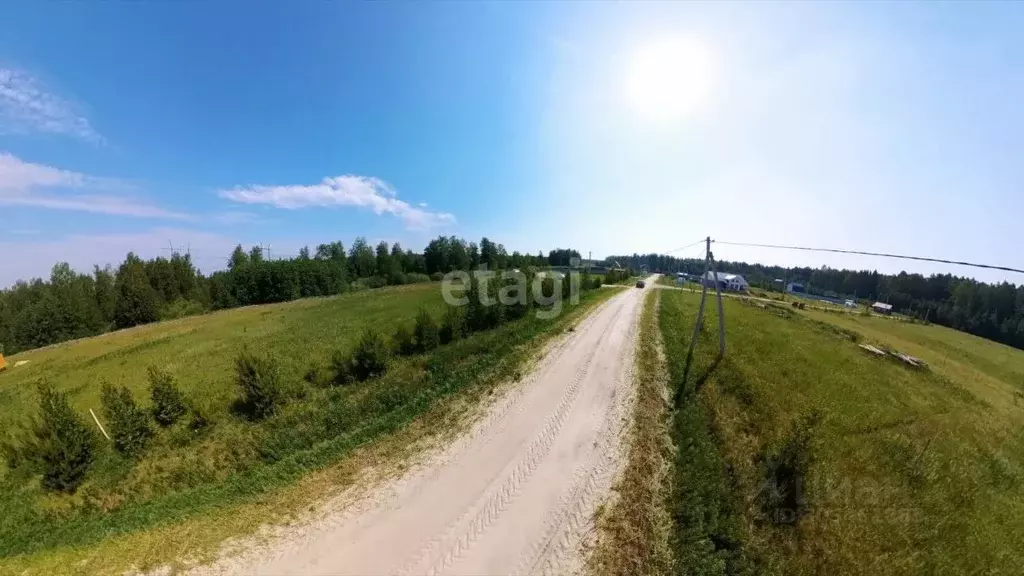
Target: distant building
column 733, row 282
column 795, row 287
column 850, row 303
column 882, row 308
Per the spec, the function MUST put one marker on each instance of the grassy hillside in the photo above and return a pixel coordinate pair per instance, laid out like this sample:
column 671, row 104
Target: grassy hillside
column 800, row 453
column 199, row 350
column 215, row 473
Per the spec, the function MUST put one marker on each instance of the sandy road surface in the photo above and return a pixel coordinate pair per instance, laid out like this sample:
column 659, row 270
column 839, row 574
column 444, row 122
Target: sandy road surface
column 515, row 495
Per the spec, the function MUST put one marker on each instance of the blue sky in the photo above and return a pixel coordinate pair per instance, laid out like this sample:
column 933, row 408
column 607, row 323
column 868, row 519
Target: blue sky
column 879, row 127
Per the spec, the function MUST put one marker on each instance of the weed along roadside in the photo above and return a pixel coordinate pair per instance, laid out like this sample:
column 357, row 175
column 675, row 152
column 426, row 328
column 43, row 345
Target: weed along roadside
column 799, row 453
column 274, row 415
column 634, row 529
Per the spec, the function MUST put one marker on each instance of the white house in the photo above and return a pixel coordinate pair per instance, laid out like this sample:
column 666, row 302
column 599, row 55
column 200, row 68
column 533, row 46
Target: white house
column 733, row 282
column 882, row 308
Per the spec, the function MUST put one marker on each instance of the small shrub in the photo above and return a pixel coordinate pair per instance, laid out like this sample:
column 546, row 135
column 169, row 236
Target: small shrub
column 426, row 332
column 259, row 384
column 398, row 279
column 437, row 276
column 370, row 358
column 168, row 401
column 416, row 278
column 341, row 368
column 62, row 445
column 496, row 316
column 181, row 308
column 200, row 416
column 403, row 341
column 313, row 374
column 453, row 326
column 130, row 429
column 478, row 316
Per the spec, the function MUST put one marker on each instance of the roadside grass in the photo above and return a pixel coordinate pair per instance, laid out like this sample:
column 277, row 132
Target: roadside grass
column 666, row 280
column 236, row 475
column 799, row 453
column 633, row 532
column 704, row 507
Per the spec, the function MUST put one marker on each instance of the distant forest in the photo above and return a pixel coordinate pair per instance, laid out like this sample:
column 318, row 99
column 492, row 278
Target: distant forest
column 993, row 311
column 72, row 305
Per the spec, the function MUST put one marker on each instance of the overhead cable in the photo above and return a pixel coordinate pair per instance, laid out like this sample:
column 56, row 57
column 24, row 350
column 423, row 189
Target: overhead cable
column 864, row 253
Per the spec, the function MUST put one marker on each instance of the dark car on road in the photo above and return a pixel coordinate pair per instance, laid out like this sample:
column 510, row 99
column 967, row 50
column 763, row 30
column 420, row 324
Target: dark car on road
column 640, row 284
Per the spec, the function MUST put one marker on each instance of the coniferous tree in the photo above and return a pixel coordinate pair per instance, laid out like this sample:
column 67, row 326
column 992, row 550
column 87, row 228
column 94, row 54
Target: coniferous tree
column 61, row 443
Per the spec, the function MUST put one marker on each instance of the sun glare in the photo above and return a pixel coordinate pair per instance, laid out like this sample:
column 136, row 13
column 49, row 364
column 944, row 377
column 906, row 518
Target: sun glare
column 669, row 78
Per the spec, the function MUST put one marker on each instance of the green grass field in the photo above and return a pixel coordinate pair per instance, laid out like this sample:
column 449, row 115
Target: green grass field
column 800, row 453
column 235, row 464
column 667, row 280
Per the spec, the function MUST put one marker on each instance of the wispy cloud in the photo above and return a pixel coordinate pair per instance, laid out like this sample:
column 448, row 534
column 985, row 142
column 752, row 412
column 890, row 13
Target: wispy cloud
column 348, row 190
column 26, row 107
column 29, row 184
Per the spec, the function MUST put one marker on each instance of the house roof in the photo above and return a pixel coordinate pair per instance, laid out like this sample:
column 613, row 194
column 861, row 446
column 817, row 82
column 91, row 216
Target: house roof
column 882, row 305
column 723, row 277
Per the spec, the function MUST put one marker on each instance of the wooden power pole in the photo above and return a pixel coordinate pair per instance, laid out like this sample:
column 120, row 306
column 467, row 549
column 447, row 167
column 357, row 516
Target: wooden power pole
column 709, row 266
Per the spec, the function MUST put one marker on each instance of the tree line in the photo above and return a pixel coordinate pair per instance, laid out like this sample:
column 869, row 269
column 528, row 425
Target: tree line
column 71, row 304
column 992, row 311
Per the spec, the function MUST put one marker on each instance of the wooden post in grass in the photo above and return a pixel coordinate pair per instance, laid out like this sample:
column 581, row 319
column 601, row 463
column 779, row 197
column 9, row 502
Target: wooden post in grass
column 721, row 313
column 700, row 309
column 708, row 262
column 97, row 420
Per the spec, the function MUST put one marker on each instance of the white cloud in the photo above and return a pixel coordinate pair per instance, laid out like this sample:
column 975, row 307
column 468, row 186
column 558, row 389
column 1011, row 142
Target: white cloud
column 26, row 107
column 348, row 190
column 22, row 183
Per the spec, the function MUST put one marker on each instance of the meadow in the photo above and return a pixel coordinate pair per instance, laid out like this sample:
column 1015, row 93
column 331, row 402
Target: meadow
column 232, row 463
column 800, row 453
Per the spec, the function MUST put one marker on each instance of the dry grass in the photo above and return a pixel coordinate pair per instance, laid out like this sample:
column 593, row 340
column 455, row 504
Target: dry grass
column 633, row 532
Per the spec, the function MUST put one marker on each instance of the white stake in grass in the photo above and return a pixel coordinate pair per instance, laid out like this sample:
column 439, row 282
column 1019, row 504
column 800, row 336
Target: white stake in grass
column 98, row 424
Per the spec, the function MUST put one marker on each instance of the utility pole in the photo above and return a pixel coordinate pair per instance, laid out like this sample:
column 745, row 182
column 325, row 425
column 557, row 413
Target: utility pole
column 709, row 267
column 721, row 313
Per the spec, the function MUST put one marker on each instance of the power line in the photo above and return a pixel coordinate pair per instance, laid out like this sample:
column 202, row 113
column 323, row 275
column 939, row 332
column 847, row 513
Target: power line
column 863, row 253
column 690, row 245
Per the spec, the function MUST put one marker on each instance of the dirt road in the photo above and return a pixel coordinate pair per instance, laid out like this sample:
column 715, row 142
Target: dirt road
column 516, row 495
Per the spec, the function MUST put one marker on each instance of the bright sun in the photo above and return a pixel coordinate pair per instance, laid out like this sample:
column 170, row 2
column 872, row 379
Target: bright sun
column 667, row 79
